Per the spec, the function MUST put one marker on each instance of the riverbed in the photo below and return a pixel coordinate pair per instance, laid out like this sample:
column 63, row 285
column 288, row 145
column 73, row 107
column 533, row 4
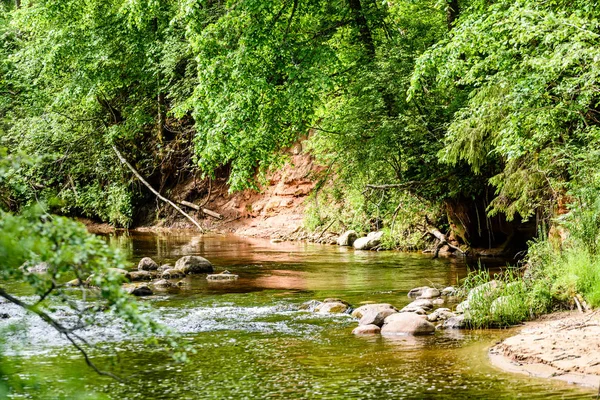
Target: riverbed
column 251, row 341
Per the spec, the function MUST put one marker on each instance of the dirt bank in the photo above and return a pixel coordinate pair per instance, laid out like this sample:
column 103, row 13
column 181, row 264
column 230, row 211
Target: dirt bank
column 564, row 346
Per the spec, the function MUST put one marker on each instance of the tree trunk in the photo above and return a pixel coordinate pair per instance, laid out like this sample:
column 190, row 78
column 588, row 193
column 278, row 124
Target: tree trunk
column 452, row 12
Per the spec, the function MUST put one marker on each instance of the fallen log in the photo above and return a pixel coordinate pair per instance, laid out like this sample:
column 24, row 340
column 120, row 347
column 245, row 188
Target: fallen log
column 442, row 241
column 141, row 179
column 198, row 208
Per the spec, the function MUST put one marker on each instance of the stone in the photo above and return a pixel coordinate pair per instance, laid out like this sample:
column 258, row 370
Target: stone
column 438, row 301
column 310, row 305
column 332, row 308
column 164, row 267
column 407, row 324
column 366, row 243
column 462, row 307
column 162, row 284
column 347, row 238
column 366, row 330
column 194, row 265
column 429, row 293
column 414, row 310
column 147, row 264
column 223, row 276
column 416, row 292
column 360, row 311
column 135, row 276
column 139, row 291
column 336, row 300
column 425, row 304
column 485, row 291
column 449, row 291
column 376, row 317
column 441, row 314
column 172, row 273
column 457, row 322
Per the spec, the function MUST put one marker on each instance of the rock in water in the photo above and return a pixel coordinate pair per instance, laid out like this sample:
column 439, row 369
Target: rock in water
column 310, row 305
column 172, row 273
column 429, row 293
column 223, row 276
column 140, row 290
column 162, row 284
column 334, row 307
column 366, row 243
column 366, row 330
column 134, row 276
column 147, row 264
column 164, row 267
column 416, row 292
column 374, row 317
column 407, row 324
column 194, row 265
column 424, row 304
column 457, row 322
column 360, row 311
column 347, row 238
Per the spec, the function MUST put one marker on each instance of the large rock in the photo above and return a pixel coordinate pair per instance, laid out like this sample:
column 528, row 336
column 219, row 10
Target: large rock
column 430, row 293
column 462, row 307
column 135, row 276
column 416, row 292
column 172, row 273
column 347, row 238
column 360, row 311
column 440, row 314
column 366, row 243
column 164, row 267
column 407, row 324
column 366, row 330
column 449, row 291
column 162, row 284
column 376, row 317
column 424, row 304
column 140, row 290
column 334, row 307
column 147, row 264
column 194, row 265
column 310, row 305
column 457, row 322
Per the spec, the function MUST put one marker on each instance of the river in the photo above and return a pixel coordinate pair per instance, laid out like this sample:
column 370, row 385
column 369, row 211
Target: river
column 250, row 340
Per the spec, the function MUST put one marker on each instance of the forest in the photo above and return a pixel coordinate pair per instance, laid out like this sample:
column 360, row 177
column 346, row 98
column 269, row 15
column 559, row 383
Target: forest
column 477, row 118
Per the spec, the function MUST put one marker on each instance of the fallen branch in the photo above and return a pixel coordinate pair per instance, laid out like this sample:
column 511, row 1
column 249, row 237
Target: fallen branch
column 198, row 208
column 137, row 174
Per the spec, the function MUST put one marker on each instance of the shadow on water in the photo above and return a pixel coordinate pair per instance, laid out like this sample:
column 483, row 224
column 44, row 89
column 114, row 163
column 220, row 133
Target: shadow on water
column 252, row 342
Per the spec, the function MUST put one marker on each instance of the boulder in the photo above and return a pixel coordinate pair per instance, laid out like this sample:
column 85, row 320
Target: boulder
column 162, row 284
column 172, row 273
column 425, row 304
column 441, row 314
column 407, row 324
column 336, row 300
column 135, row 276
column 429, row 293
column 366, row 243
column 194, row 265
column 334, row 307
column 366, row 330
column 310, row 305
column 142, row 290
column 416, row 292
column 449, row 291
column 457, row 322
column 164, row 267
column 223, row 276
column 462, row 307
column 147, row 264
column 376, row 317
column 360, row 311
column 347, row 238
column 439, row 301
column 414, row 310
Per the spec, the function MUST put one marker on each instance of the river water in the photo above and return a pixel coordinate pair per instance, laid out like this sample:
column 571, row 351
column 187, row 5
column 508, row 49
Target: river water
column 250, row 340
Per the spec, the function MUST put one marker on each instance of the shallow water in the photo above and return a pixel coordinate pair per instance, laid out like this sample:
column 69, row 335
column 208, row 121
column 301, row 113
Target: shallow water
column 251, row 342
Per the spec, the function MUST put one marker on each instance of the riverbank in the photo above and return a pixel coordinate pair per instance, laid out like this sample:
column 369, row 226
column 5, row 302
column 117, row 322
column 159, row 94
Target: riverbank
column 563, row 346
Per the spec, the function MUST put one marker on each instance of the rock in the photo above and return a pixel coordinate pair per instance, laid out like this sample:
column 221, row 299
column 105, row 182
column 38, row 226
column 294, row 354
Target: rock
column 336, row 300
column 135, row 276
column 457, row 322
column 429, row 293
column 193, row 265
column 416, row 292
column 407, row 324
column 119, row 271
column 143, row 290
column 360, row 311
column 438, row 301
column 162, row 284
column 172, row 273
column 420, row 303
column 223, row 276
column 366, row 330
column 376, row 317
column 310, row 305
column 449, row 291
column 371, row 240
column 164, row 267
column 462, row 307
column 347, row 238
column 414, row 310
column 147, row 264
column 334, row 307
column 486, row 291
column 441, row 314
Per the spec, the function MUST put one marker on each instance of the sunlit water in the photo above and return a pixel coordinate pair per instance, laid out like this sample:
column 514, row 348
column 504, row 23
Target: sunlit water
column 251, row 341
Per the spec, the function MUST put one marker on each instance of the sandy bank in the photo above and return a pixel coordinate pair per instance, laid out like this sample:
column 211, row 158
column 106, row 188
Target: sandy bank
column 564, row 346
